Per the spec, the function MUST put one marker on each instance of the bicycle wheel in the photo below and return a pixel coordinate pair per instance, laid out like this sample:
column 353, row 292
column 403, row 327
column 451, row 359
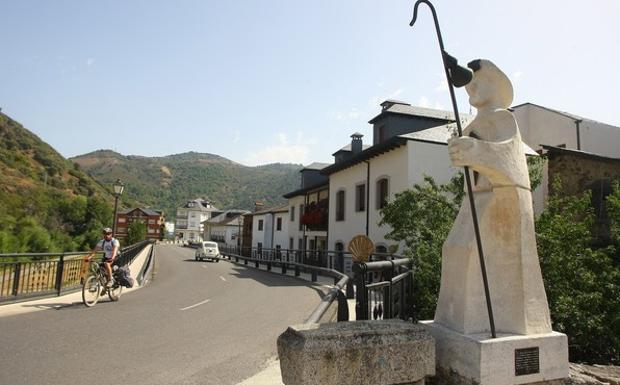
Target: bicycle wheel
column 90, row 291
column 115, row 291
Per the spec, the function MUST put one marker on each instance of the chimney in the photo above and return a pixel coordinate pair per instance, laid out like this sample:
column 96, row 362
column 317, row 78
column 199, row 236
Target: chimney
column 258, row 205
column 356, row 143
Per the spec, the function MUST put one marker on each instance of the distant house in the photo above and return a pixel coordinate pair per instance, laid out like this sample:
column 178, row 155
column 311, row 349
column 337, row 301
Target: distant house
column 225, row 228
column 543, row 126
column 270, row 228
column 154, row 220
column 581, row 171
column 190, row 218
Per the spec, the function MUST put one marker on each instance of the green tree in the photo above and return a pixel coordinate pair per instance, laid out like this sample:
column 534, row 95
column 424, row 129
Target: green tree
column 422, row 217
column 582, row 282
column 613, row 212
column 136, row 232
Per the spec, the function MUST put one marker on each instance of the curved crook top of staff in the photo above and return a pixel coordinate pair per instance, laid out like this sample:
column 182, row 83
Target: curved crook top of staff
column 415, row 17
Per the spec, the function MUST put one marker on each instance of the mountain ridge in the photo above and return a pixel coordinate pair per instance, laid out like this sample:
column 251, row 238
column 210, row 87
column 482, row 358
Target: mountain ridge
column 166, row 182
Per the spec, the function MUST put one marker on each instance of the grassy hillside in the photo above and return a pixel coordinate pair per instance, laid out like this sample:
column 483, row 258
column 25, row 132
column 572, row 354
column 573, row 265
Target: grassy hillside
column 167, row 182
column 46, row 202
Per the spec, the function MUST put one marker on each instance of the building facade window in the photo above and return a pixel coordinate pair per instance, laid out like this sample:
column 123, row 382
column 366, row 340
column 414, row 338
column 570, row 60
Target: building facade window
column 301, row 212
column 382, row 192
column 360, row 197
column 121, row 220
column 340, row 205
column 292, row 213
column 279, row 224
column 291, row 243
column 382, row 134
column 260, row 225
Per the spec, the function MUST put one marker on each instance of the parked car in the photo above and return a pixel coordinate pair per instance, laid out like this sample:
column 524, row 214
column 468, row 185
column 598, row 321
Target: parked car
column 208, row 250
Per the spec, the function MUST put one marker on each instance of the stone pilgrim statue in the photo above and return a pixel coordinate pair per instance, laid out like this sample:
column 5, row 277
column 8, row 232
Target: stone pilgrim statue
column 492, row 148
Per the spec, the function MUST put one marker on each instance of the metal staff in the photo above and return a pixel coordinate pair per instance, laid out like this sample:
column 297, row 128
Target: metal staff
column 460, row 76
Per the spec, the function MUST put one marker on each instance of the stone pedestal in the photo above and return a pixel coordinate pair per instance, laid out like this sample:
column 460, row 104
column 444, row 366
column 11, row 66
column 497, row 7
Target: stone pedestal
column 478, row 359
column 385, row 352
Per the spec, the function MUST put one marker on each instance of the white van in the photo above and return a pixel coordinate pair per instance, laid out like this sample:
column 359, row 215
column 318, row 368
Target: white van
column 208, row 250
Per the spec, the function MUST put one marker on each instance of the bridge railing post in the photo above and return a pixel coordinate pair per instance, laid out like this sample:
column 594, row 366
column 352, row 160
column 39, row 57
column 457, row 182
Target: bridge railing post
column 16, row 276
column 59, row 270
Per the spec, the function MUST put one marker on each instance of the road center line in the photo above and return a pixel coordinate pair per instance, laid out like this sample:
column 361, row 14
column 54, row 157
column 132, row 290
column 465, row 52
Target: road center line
column 204, row 266
column 198, row 304
column 222, row 278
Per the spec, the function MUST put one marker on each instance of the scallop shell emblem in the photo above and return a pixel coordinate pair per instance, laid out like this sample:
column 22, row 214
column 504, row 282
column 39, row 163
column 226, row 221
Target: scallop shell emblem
column 361, row 247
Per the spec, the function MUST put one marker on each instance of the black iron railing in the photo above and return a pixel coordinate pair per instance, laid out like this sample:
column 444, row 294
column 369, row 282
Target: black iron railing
column 41, row 274
column 384, row 289
column 337, row 260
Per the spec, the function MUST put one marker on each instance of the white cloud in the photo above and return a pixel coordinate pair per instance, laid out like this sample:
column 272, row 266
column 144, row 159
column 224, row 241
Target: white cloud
column 426, row 103
column 517, row 75
column 442, row 86
column 352, row 114
column 237, row 137
column 423, row 102
column 374, row 102
column 90, row 61
column 283, row 151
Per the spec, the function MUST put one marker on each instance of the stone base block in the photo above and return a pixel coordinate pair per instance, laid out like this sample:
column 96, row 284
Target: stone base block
column 478, row 359
column 385, row 352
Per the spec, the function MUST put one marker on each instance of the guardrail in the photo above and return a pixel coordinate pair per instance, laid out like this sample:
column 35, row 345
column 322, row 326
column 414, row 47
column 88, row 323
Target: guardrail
column 41, row 274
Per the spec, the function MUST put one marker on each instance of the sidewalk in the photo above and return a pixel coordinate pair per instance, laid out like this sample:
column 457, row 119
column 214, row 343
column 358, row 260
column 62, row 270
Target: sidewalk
column 71, row 299
column 271, row 374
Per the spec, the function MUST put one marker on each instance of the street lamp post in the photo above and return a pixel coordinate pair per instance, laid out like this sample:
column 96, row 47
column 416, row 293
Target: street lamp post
column 118, row 191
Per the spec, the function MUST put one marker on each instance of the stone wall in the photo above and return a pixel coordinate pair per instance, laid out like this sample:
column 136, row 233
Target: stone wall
column 579, row 170
column 579, row 375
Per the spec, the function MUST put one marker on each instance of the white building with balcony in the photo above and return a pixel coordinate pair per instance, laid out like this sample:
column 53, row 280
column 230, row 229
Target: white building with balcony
column 189, row 225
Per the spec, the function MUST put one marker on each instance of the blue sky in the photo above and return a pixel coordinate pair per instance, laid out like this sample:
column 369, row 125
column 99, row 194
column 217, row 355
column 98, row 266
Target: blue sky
column 289, row 81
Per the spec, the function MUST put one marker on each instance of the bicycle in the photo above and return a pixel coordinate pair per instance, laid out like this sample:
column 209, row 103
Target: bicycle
column 95, row 285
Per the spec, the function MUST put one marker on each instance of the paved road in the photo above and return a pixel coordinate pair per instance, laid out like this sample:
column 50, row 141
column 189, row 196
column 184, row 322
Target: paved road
column 196, row 323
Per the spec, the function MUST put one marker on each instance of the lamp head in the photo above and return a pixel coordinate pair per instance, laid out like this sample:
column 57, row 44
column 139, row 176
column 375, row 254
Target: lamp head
column 459, row 75
column 118, row 187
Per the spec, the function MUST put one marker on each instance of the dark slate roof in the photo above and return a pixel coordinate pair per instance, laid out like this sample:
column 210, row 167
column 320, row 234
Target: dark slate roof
column 437, row 135
column 303, row 191
column 405, row 109
column 315, row 166
column 147, row 211
column 566, row 114
column 274, row 209
column 226, row 217
column 378, row 149
column 441, row 134
column 203, row 204
column 347, row 148
column 583, row 154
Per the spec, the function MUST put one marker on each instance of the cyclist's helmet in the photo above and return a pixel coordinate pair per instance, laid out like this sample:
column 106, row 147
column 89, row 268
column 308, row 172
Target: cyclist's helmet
column 107, row 230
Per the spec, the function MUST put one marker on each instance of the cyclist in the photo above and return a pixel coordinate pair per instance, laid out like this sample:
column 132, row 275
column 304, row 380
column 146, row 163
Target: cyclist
column 110, row 246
